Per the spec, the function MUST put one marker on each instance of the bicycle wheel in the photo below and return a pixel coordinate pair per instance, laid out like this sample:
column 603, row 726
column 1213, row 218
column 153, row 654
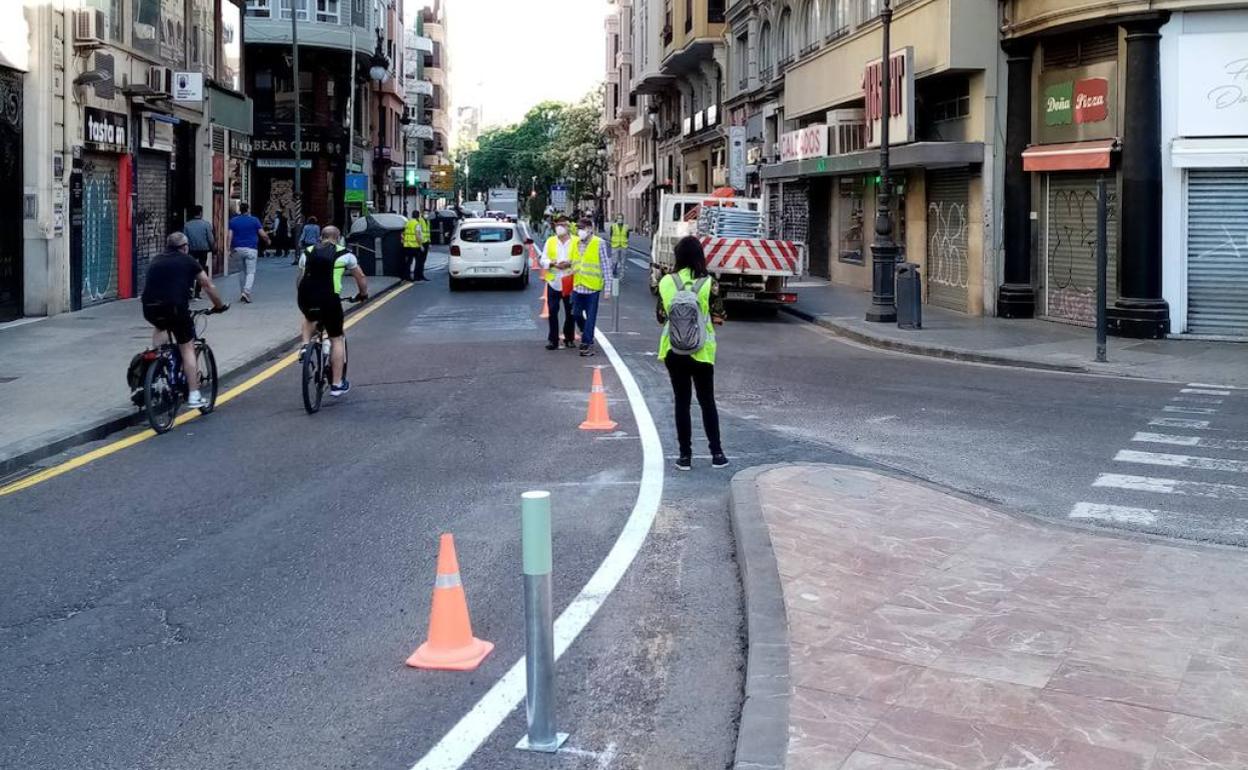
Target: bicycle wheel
column 160, row 396
column 313, row 379
column 208, row 384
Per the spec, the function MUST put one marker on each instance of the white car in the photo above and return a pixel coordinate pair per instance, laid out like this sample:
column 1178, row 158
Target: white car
column 487, row 249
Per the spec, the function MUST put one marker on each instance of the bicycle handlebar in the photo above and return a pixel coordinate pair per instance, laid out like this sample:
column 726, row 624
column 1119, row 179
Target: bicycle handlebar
column 209, row 311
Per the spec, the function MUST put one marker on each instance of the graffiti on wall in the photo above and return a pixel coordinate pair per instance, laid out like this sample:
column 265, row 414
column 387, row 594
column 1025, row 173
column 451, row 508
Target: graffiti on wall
column 1072, row 253
column 946, row 244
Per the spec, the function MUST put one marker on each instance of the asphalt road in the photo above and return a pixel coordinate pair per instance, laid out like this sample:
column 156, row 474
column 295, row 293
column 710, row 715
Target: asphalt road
column 242, row 592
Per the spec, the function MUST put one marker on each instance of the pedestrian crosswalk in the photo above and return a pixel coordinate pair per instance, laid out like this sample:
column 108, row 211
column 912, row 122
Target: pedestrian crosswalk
column 1185, row 473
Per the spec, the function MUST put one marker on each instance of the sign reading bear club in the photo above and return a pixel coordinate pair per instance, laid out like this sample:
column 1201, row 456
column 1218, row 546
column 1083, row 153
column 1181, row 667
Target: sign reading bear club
column 104, row 130
column 1078, row 104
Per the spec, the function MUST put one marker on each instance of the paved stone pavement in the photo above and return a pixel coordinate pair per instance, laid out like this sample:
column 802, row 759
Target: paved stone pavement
column 65, row 375
column 931, row 632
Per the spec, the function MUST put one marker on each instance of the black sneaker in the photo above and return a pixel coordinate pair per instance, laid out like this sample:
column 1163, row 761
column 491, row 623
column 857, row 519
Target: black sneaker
column 684, row 463
column 338, row 391
column 719, row 460
column 569, row 344
column 552, row 345
column 587, row 350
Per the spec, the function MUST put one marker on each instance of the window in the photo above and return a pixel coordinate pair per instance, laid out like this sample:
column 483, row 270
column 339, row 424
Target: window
column 742, row 53
column 869, row 9
column 715, row 11
column 259, row 8
column 784, row 37
column 838, row 18
column 950, row 98
column 300, row 6
column 688, row 15
column 327, row 11
column 485, row 234
column 112, row 12
column 764, row 53
column 809, row 26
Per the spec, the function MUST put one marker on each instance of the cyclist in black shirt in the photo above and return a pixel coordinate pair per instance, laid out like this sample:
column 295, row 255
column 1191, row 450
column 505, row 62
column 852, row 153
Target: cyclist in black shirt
column 166, row 305
column 321, row 269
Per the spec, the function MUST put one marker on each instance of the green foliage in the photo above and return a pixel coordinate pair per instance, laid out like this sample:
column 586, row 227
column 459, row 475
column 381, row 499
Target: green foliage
column 554, row 142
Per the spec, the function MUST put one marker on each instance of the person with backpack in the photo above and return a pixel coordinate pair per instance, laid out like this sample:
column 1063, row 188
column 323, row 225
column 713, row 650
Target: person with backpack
column 321, row 269
column 689, row 308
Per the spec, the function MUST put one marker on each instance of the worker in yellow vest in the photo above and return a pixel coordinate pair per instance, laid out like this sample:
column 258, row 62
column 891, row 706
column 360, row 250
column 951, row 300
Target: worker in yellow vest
column 556, row 262
column 619, row 241
column 413, row 241
column 587, row 283
column 425, row 242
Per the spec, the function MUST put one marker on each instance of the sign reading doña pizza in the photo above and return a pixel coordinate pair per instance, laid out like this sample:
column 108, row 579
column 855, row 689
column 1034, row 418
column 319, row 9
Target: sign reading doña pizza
column 1078, row 104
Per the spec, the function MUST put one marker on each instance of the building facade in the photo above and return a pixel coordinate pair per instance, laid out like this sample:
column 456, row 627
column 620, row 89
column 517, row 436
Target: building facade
column 619, row 112
column 125, row 120
column 349, row 99
column 436, row 110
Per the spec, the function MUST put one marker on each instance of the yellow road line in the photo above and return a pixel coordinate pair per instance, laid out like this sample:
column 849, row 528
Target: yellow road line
column 227, row 396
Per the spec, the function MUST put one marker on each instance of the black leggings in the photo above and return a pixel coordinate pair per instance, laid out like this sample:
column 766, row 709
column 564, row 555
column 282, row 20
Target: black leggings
column 687, row 376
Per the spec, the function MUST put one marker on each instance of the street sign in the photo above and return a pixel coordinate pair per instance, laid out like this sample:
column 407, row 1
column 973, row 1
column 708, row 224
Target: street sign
column 188, row 87
column 357, row 188
column 559, row 197
column 442, row 177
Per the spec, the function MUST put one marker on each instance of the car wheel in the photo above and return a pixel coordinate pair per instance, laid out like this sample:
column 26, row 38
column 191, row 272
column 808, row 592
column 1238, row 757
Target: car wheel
column 454, row 284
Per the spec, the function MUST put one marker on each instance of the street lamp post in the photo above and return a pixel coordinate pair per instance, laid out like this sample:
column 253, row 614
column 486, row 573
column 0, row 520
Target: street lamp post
column 379, row 71
column 884, row 250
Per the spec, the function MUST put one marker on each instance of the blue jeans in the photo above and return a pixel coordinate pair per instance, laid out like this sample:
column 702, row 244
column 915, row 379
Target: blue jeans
column 585, row 311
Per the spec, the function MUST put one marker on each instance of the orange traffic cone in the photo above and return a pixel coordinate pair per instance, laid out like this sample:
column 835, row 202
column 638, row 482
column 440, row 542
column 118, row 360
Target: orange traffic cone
column 534, row 263
column 451, row 645
column 545, row 307
column 597, row 418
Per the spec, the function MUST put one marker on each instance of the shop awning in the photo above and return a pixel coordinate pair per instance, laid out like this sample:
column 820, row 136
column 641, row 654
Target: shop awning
column 1073, row 156
column 638, row 189
column 916, row 155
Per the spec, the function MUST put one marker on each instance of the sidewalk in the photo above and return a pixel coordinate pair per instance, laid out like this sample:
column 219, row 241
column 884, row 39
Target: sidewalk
column 63, row 380
column 924, row 632
column 1027, row 343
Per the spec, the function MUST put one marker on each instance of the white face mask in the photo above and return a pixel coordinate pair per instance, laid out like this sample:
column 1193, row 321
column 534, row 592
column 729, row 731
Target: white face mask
column 582, row 233
column 561, row 230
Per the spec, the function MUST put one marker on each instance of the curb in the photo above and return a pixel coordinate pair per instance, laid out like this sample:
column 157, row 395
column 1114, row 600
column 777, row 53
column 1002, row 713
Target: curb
column 763, row 734
column 105, row 428
column 934, row 351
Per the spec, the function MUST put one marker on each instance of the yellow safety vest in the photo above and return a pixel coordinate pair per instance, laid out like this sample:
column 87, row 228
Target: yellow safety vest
column 619, row 236
column 587, row 264
column 552, row 255
column 424, row 230
column 667, row 292
column 411, row 234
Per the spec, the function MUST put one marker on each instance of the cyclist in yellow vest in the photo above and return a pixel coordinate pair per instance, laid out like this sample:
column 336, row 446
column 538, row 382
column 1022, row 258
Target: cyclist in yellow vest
column 556, row 265
column 587, row 284
column 692, row 367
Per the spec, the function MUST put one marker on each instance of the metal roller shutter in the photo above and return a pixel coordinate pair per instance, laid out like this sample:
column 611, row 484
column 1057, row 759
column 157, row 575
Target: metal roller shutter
column 1070, row 247
column 1217, row 252
column 948, row 274
column 151, row 216
column 796, row 221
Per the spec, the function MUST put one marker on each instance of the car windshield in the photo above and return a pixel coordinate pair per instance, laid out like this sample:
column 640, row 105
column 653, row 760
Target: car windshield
column 485, row 234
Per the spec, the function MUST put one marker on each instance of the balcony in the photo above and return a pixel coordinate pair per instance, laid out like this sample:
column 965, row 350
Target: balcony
column 624, row 58
column 434, row 31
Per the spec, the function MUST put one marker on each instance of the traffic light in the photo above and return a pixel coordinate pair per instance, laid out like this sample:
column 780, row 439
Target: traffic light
column 411, row 177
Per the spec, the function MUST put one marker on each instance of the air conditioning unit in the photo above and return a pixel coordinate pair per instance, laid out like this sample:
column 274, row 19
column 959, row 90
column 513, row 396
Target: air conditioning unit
column 848, row 131
column 90, row 27
column 158, row 79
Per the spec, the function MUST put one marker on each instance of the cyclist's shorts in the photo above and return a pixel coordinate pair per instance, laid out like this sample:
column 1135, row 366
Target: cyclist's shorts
column 171, row 318
column 326, row 309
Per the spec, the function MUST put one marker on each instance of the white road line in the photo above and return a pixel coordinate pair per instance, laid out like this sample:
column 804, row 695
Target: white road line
column 1179, row 422
column 458, row 745
column 1235, row 445
column 1118, row 514
column 1182, row 461
column 1170, row 486
column 1208, row 385
column 1205, row 392
column 1197, row 400
column 1188, row 410
column 643, row 264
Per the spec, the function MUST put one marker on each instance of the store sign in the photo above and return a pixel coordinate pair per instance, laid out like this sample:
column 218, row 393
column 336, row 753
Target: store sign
column 1077, row 101
column 188, row 87
column 1078, row 104
column 356, row 188
column 809, row 142
column 901, row 98
column 1213, row 84
column 736, row 157
column 155, row 134
column 104, row 130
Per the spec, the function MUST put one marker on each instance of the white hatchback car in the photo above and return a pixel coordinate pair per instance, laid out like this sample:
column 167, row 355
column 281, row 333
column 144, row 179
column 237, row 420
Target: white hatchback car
column 490, row 250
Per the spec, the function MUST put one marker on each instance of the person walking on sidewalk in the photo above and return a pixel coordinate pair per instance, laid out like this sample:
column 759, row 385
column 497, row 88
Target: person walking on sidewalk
column 689, row 308
column 556, row 264
column 619, row 239
column 246, row 234
column 166, row 305
column 202, row 240
column 587, row 282
column 310, row 235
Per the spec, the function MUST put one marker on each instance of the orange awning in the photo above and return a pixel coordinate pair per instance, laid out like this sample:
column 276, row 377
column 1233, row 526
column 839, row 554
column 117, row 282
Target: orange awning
column 1073, row 156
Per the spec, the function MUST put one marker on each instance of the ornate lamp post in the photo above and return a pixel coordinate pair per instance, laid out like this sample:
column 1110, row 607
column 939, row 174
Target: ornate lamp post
column 379, row 72
column 884, row 251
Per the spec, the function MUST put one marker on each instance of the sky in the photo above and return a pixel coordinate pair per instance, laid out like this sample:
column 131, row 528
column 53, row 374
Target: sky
column 508, row 55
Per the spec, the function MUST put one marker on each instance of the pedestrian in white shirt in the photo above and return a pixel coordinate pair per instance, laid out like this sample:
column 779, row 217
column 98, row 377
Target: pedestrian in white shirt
column 556, row 265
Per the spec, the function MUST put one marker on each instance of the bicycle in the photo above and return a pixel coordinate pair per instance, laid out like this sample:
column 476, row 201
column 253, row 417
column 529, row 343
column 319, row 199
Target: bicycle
column 164, row 381
column 317, row 369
